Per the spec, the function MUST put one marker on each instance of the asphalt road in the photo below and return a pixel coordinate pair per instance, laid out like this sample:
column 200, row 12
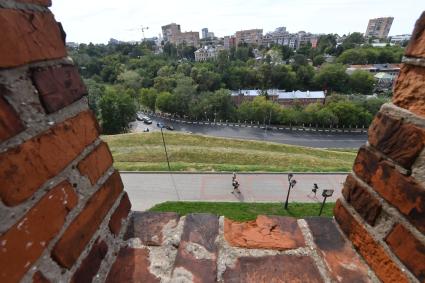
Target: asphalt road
column 147, row 189
column 310, row 139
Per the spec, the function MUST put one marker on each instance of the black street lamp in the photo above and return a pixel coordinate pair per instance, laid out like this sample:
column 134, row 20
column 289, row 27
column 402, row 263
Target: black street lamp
column 292, row 183
column 165, row 148
column 325, row 194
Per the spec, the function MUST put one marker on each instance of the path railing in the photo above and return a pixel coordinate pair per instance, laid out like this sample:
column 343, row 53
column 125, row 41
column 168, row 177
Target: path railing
column 251, row 124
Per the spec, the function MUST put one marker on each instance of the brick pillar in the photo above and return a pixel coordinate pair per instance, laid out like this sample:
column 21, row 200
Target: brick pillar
column 62, row 203
column 383, row 206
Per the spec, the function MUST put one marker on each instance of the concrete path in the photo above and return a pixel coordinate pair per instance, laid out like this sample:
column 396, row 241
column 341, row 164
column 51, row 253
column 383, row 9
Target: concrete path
column 147, row 189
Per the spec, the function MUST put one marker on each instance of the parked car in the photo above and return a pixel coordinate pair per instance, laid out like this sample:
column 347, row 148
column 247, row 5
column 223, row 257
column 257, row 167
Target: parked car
column 139, row 117
column 169, row 127
column 146, row 120
column 160, row 125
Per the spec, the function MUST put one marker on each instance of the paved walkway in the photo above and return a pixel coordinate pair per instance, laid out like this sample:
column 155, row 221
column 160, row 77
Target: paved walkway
column 147, row 189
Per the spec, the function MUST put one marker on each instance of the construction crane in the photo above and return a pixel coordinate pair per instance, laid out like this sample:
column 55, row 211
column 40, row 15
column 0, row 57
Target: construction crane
column 142, row 28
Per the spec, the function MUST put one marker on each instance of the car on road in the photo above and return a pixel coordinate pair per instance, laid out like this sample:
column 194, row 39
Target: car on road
column 160, row 125
column 146, row 120
column 169, row 127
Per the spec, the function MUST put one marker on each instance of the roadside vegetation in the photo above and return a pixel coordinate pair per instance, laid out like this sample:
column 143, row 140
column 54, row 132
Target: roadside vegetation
column 188, row 152
column 245, row 211
column 122, row 78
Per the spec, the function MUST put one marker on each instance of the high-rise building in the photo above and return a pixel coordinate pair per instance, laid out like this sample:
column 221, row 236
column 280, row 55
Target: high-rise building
column 172, row 34
column 205, row 33
column 379, row 27
column 252, row 36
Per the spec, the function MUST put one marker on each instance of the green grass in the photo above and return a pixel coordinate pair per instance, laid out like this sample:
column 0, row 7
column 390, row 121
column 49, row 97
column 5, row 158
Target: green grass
column 188, row 152
column 245, row 211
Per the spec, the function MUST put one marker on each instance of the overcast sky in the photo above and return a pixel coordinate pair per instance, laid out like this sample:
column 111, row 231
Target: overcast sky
column 99, row 20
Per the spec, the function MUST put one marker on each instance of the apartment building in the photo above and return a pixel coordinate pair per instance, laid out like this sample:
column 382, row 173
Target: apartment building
column 252, row 36
column 379, row 27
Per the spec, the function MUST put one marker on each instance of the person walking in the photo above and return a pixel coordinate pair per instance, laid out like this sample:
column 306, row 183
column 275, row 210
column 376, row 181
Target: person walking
column 235, row 184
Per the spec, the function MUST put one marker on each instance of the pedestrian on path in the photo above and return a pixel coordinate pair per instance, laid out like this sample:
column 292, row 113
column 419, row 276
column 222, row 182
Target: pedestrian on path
column 235, row 184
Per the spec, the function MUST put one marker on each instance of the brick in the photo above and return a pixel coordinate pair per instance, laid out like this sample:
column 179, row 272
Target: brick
column 81, row 230
column 131, row 265
column 372, row 252
column 277, row 268
column 21, row 173
column 10, row 123
column 416, row 47
column 401, row 191
column 96, row 163
column 29, row 37
column 197, row 253
column 342, row 261
column 266, row 232
column 362, row 201
column 24, row 242
column 91, row 264
column 119, row 215
column 38, row 277
column 46, row 3
column 148, row 226
column 400, row 141
column 58, row 86
column 409, row 91
column 408, row 249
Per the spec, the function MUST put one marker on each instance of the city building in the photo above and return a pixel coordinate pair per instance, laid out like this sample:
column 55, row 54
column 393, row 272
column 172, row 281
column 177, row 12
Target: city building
column 398, row 39
column 281, row 97
column 205, row 33
column 172, row 34
column 379, row 27
column 252, row 36
column 229, row 42
column 207, row 53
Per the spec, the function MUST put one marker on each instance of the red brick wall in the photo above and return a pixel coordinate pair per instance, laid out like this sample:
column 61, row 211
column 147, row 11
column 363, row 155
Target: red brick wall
column 61, row 202
column 383, row 206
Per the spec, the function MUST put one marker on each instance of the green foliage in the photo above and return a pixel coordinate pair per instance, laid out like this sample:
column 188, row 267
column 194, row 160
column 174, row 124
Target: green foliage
column 361, row 82
column 353, row 40
column 332, row 77
column 117, row 110
column 148, row 98
column 95, row 91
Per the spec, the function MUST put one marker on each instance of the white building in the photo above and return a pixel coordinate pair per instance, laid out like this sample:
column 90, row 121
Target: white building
column 207, row 53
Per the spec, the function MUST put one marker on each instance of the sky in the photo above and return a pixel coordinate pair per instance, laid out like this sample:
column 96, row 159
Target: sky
column 99, row 20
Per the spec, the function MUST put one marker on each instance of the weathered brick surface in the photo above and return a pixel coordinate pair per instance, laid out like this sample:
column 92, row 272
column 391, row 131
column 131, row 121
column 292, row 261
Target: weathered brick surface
column 119, row 215
column 409, row 92
column 38, row 277
column 343, row 262
column 401, row 191
column 25, row 168
column 364, row 203
column 29, row 37
column 131, row 265
column 148, row 226
column 400, row 141
column 416, row 47
column 90, row 265
column 96, row 163
column 46, row 3
column 58, row 86
column 10, row 123
column 278, row 268
column 374, row 254
column 409, row 250
column 23, row 243
column 266, row 232
column 198, row 251
column 78, row 234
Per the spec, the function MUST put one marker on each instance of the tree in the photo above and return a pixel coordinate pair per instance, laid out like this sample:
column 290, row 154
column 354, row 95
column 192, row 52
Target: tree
column 148, row 97
column 332, row 77
column 165, row 101
column 353, row 40
column 318, row 60
column 130, row 79
column 96, row 92
column 116, row 111
column 361, row 82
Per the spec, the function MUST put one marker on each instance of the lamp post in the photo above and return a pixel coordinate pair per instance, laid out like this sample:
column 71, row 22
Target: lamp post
column 292, row 183
column 165, row 147
column 325, row 194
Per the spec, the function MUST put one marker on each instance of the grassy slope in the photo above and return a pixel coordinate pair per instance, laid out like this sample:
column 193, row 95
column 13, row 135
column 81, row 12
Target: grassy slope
column 245, row 211
column 188, row 152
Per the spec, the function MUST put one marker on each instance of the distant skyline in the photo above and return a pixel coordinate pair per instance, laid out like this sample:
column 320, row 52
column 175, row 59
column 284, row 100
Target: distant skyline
column 97, row 21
